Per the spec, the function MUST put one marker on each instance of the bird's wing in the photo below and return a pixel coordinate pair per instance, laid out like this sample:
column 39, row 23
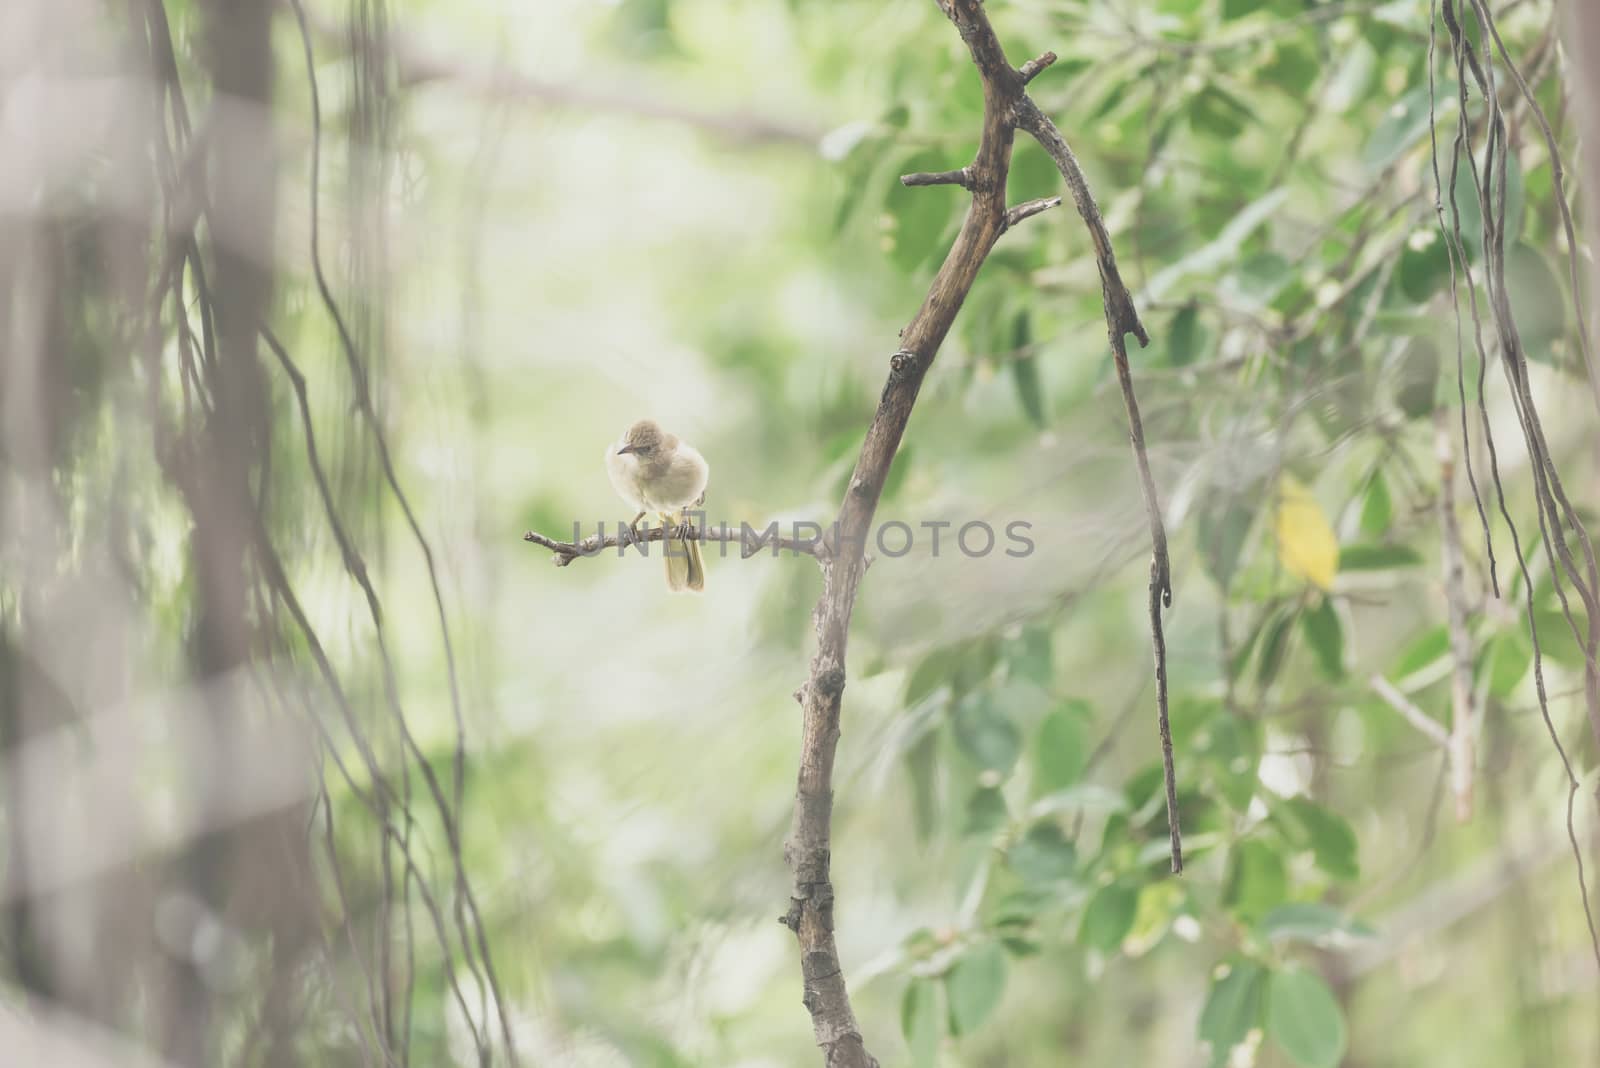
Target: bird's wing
column 695, row 473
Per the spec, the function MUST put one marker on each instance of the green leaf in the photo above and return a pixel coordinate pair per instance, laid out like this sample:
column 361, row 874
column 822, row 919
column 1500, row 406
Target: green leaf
column 1233, row 1007
column 1471, row 211
column 1233, row 9
column 1376, row 511
column 1508, row 656
column 1461, row 211
column 1326, row 833
column 985, row 735
column 1232, row 750
column 986, row 811
column 1217, row 255
column 920, row 221
column 1516, row 197
column 962, row 666
column 1538, row 298
column 897, row 471
column 1025, row 375
column 1417, row 388
column 1257, row 879
column 1216, row 111
column 1424, row 265
column 1043, row 855
column 1423, row 650
column 973, row 662
column 931, row 672
column 1325, row 634
column 1030, row 657
column 1305, row 921
column 919, row 1021
column 1556, row 641
column 1370, row 557
column 1185, row 336
column 1108, row 917
column 1255, row 281
column 1060, row 750
column 1025, row 370
column 973, row 986
column 1401, row 128
column 1274, row 643
column 1082, row 797
column 1293, row 68
column 1159, row 904
column 924, row 795
column 1224, row 525
column 1304, row 1018
column 1352, row 79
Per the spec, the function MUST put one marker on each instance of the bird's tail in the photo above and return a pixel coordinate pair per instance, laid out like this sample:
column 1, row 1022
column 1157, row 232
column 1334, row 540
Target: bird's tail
column 686, row 569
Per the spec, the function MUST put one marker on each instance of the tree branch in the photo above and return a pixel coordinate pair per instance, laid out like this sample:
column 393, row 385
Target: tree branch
column 1464, row 717
column 750, row 542
column 962, row 177
column 808, row 849
column 1122, row 319
column 1426, row 724
column 1030, row 70
column 1029, row 209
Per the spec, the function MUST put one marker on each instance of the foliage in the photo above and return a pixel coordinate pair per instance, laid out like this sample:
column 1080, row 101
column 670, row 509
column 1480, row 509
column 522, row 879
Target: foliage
column 686, row 248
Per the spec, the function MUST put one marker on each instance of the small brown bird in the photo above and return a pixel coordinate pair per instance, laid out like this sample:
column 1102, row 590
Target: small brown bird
column 656, row 472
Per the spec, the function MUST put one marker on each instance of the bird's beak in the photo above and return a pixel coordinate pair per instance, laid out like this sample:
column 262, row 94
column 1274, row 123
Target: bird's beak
column 623, row 450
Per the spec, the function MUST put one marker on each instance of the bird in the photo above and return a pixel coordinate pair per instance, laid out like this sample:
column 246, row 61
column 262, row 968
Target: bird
column 655, row 471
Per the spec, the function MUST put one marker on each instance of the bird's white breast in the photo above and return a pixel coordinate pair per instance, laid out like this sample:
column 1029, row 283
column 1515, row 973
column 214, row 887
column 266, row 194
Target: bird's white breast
column 623, row 470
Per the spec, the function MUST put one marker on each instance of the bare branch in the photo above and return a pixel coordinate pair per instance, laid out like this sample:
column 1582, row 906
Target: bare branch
column 962, row 177
column 1122, row 319
column 750, row 542
column 1464, row 716
column 1030, row 70
column 1029, row 209
column 1409, row 712
column 1121, row 316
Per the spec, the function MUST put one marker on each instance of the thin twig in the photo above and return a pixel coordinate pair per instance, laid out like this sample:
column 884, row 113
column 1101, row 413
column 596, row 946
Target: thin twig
column 962, row 177
column 1464, row 718
column 1028, row 209
column 450, row 818
column 1554, row 510
column 1122, row 319
column 1430, row 727
column 750, row 542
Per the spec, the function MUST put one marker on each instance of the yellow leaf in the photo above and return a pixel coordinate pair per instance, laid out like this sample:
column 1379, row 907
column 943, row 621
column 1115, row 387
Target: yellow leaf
column 1307, row 545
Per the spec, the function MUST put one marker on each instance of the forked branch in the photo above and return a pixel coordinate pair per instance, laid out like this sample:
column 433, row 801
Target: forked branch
column 840, row 554
column 1006, row 108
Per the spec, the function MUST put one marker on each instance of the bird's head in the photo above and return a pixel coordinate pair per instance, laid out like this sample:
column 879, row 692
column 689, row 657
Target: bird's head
column 644, row 438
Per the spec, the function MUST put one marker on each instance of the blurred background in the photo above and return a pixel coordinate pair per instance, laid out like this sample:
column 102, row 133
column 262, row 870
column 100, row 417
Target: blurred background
column 311, row 308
